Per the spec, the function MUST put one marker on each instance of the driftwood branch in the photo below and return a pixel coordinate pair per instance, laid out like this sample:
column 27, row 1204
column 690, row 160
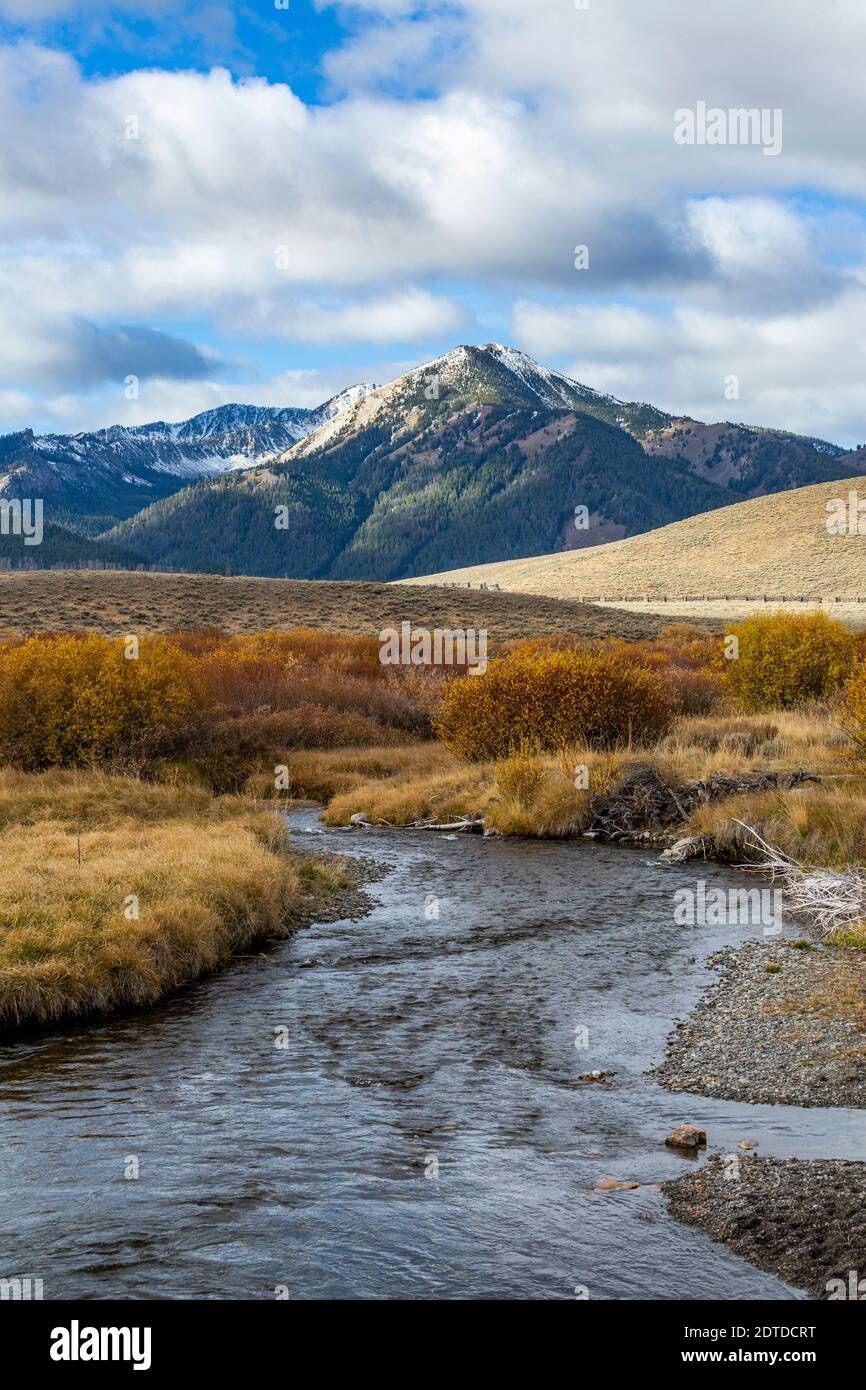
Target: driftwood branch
column 829, row 900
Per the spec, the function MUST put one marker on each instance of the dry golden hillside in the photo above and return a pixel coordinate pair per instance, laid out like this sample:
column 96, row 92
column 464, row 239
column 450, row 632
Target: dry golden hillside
column 772, row 549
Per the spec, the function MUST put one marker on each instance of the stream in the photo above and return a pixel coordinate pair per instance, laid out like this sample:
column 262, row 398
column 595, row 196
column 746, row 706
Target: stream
column 390, row 1107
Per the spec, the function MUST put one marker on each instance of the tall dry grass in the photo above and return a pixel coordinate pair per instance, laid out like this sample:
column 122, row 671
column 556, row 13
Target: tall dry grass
column 526, row 794
column 209, row 877
column 780, row 740
column 819, row 824
column 318, row 774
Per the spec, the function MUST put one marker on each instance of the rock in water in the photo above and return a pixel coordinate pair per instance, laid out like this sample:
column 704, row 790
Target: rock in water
column 687, row 1137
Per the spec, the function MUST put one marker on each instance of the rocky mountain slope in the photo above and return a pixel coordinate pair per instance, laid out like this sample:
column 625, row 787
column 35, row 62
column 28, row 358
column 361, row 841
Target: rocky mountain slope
column 482, row 454
column 95, row 479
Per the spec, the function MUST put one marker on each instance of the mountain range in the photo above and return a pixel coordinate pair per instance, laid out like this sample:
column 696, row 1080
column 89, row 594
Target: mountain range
column 482, row 454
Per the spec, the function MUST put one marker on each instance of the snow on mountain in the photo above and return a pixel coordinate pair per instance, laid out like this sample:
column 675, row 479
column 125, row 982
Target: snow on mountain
column 220, row 440
column 492, row 374
column 552, row 388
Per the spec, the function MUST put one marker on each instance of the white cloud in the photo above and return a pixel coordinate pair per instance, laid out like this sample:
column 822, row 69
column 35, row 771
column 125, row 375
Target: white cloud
column 408, row 315
column 802, row 371
column 553, row 126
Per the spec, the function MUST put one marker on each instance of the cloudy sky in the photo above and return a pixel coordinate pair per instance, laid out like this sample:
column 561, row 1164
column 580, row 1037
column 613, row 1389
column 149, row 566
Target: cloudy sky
column 246, row 201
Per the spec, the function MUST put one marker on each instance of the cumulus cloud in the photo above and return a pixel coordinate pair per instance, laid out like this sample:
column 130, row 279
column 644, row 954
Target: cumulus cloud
column 802, row 371
column 55, row 352
column 179, row 196
column 404, row 316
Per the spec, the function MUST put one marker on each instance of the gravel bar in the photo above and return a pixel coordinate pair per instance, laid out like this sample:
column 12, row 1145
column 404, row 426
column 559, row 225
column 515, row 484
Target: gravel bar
column 784, row 1025
column 804, row 1221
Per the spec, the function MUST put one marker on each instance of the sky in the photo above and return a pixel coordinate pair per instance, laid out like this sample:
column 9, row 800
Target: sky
column 205, row 201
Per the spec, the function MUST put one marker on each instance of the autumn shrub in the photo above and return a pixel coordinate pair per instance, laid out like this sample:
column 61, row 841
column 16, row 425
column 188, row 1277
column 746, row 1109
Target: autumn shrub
column 221, row 753
column 70, row 698
column 348, row 654
column 272, row 671
column 195, row 641
column 853, row 715
column 781, row 660
column 695, row 691
column 559, row 700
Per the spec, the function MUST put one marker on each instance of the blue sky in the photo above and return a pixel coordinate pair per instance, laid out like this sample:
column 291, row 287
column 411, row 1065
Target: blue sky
column 252, row 39
column 239, row 201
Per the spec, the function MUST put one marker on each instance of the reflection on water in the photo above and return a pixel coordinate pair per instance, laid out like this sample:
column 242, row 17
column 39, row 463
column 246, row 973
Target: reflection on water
column 423, row 1132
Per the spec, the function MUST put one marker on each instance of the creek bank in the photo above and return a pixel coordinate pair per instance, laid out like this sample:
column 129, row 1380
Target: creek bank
column 802, row 1220
column 643, row 808
column 783, row 1026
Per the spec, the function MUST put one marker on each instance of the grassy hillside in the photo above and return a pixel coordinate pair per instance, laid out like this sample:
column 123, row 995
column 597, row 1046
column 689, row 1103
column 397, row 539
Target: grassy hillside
column 774, row 546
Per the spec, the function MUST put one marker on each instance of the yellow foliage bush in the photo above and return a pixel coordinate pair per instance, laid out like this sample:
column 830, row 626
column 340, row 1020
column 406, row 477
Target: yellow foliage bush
column 854, row 715
column 69, row 698
column 785, row 659
column 558, row 700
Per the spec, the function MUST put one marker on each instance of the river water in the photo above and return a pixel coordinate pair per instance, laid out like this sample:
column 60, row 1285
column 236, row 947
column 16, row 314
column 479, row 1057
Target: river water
column 422, row 1132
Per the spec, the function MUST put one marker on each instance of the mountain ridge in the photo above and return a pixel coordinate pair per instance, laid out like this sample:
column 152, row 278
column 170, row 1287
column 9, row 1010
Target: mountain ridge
column 96, row 477
column 480, row 454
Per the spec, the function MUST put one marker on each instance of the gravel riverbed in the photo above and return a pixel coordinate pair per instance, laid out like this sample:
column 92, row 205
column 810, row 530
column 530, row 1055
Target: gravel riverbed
column 784, row 1025
column 804, row 1221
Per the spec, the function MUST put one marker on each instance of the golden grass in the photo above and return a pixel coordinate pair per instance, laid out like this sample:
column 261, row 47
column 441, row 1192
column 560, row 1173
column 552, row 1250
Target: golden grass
column 534, row 797
column 537, row 796
column 818, row 824
column 87, row 799
column 775, row 545
column 317, row 774
column 209, row 877
column 440, row 796
column 779, row 740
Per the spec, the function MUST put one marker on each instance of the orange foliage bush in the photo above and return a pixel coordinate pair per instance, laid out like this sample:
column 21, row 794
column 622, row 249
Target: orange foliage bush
column 853, row 714
column 696, row 691
column 72, row 698
column 683, row 654
column 559, row 700
column 221, row 703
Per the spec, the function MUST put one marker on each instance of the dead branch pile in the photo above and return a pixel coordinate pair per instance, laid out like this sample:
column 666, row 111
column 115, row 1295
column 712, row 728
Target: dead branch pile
column 643, row 800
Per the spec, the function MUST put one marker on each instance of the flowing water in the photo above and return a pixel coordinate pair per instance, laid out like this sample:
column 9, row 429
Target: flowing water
column 423, row 1132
